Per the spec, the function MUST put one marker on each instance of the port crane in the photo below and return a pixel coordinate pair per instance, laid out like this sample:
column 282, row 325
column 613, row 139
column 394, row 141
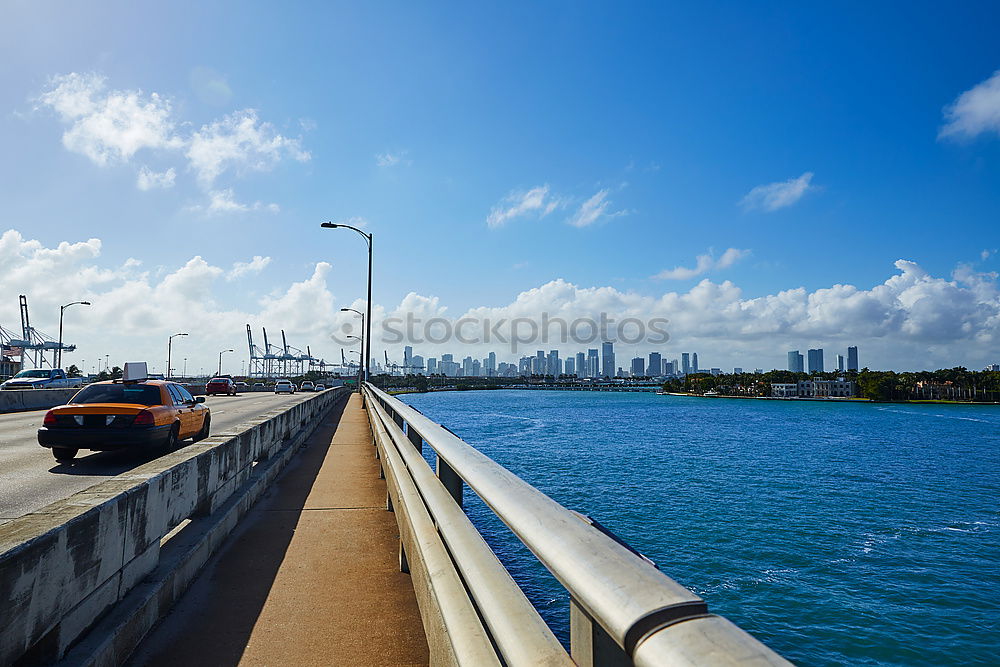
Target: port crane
column 31, row 343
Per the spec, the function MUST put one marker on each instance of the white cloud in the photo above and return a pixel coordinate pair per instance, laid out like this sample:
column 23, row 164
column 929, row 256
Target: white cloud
column 773, row 196
column 975, row 111
column 254, row 266
column 134, row 311
column 389, row 159
column 109, row 126
column 149, row 179
column 239, row 141
column 703, row 264
column 593, row 210
column 519, row 203
column 224, row 201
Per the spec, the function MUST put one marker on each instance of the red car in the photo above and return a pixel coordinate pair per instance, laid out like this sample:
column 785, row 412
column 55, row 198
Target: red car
column 220, row 386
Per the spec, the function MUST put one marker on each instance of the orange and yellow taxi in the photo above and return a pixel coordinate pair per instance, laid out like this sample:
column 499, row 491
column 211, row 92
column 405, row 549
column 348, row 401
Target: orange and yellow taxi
column 118, row 414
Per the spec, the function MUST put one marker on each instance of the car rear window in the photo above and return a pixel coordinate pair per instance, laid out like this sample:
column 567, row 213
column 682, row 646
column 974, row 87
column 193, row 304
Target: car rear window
column 218, row 380
column 138, row 394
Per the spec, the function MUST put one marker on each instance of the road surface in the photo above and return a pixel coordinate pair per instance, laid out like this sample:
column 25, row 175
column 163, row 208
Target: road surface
column 30, row 478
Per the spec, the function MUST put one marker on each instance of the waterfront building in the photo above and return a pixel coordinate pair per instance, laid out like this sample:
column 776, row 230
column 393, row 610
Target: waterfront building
column 593, row 363
column 715, row 371
column 655, row 367
column 570, row 366
column 608, row 359
column 814, row 360
column 840, row 363
column 852, row 358
column 795, row 362
column 670, row 367
column 552, row 364
column 685, row 363
column 737, row 370
column 581, row 364
column 477, row 368
column 638, row 367
column 491, row 363
column 432, row 364
column 694, row 362
column 407, row 355
column 524, row 365
column 467, row 367
column 784, row 390
column 417, row 363
column 992, row 367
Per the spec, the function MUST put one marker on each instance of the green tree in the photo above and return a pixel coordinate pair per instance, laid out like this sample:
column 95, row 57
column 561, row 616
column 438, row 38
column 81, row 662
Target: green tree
column 73, row 371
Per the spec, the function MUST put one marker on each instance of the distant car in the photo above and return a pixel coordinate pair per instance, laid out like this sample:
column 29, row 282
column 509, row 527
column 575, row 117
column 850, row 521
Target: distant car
column 242, row 386
column 284, row 387
column 258, row 385
column 307, row 386
column 220, row 386
column 42, row 378
column 115, row 415
column 320, row 387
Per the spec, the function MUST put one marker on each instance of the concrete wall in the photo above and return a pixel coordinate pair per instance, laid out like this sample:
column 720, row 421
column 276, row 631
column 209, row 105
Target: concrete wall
column 16, row 400
column 95, row 557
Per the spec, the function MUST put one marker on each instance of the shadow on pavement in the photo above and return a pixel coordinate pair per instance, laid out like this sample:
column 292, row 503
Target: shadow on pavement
column 213, row 621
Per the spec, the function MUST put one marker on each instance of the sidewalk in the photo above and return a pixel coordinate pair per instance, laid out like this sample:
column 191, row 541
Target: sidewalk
column 310, row 577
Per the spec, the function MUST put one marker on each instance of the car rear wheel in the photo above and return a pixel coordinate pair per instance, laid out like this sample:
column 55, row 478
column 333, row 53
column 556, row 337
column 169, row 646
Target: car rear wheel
column 205, row 428
column 172, row 440
column 64, row 453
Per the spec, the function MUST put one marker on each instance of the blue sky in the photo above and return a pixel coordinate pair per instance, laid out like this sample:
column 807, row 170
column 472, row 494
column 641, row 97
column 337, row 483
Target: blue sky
column 652, row 124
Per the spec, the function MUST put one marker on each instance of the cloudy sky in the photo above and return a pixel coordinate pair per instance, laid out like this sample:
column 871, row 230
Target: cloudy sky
column 764, row 179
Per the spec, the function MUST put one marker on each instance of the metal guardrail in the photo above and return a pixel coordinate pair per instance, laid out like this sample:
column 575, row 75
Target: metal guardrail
column 623, row 611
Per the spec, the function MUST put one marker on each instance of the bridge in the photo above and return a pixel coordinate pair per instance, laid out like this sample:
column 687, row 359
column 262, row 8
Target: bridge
column 312, row 529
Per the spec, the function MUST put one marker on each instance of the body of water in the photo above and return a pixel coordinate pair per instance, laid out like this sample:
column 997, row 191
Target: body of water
column 835, row 533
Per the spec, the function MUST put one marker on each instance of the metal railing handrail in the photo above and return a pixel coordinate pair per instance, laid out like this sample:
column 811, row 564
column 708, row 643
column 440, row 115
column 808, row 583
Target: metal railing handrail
column 519, row 632
column 627, row 597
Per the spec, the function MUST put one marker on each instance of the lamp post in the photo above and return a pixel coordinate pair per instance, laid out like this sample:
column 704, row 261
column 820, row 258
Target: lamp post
column 61, row 310
column 360, row 354
column 367, row 342
column 170, row 342
column 220, row 360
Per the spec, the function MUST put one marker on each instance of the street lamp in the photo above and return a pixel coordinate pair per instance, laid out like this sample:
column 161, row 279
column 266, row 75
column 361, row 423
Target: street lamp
column 367, row 342
column 220, row 360
column 61, row 310
column 170, row 342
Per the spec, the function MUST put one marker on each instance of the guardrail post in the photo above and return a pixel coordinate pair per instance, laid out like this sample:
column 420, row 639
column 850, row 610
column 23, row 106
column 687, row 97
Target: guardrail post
column 589, row 644
column 415, row 438
column 450, row 479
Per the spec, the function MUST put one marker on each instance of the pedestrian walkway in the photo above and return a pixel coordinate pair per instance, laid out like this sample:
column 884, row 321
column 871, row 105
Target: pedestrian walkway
column 310, row 576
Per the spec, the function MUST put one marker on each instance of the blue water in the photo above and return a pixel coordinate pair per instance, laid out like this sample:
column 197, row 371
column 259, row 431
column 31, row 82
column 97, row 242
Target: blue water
column 836, row 534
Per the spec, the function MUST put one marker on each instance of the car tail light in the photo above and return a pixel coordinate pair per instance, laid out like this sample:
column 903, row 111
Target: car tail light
column 144, row 418
column 50, row 419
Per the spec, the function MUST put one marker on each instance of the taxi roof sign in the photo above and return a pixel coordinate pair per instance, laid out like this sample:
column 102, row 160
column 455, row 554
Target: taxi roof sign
column 135, row 371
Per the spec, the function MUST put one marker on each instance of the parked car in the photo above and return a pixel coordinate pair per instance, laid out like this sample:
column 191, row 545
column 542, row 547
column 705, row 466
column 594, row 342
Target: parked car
column 115, row 414
column 284, row 387
column 220, row 386
column 42, row 378
column 307, row 386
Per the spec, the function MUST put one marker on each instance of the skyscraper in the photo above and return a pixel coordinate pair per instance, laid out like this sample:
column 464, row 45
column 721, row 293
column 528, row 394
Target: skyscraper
column 685, row 363
column 694, row 362
column 852, row 358
column 795, row 360
column 608, row 359
column 407, row 355
column 840, row 363
column 552, row 364
column 581, row 365
column 815, row 360
column 638, row 367
column 491, row 364
column 432, row 366
column 593, row 362
column 655, row 368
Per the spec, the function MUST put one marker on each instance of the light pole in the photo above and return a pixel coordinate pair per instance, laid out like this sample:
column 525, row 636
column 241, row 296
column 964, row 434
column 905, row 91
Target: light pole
column 185, row 371
column 170, row 342
column 367, row 342
column 61, row 310
column 220, row 360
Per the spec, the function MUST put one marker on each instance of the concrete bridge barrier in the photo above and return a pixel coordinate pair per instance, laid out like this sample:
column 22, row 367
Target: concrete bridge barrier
column 114, row 557
column 17, row 400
